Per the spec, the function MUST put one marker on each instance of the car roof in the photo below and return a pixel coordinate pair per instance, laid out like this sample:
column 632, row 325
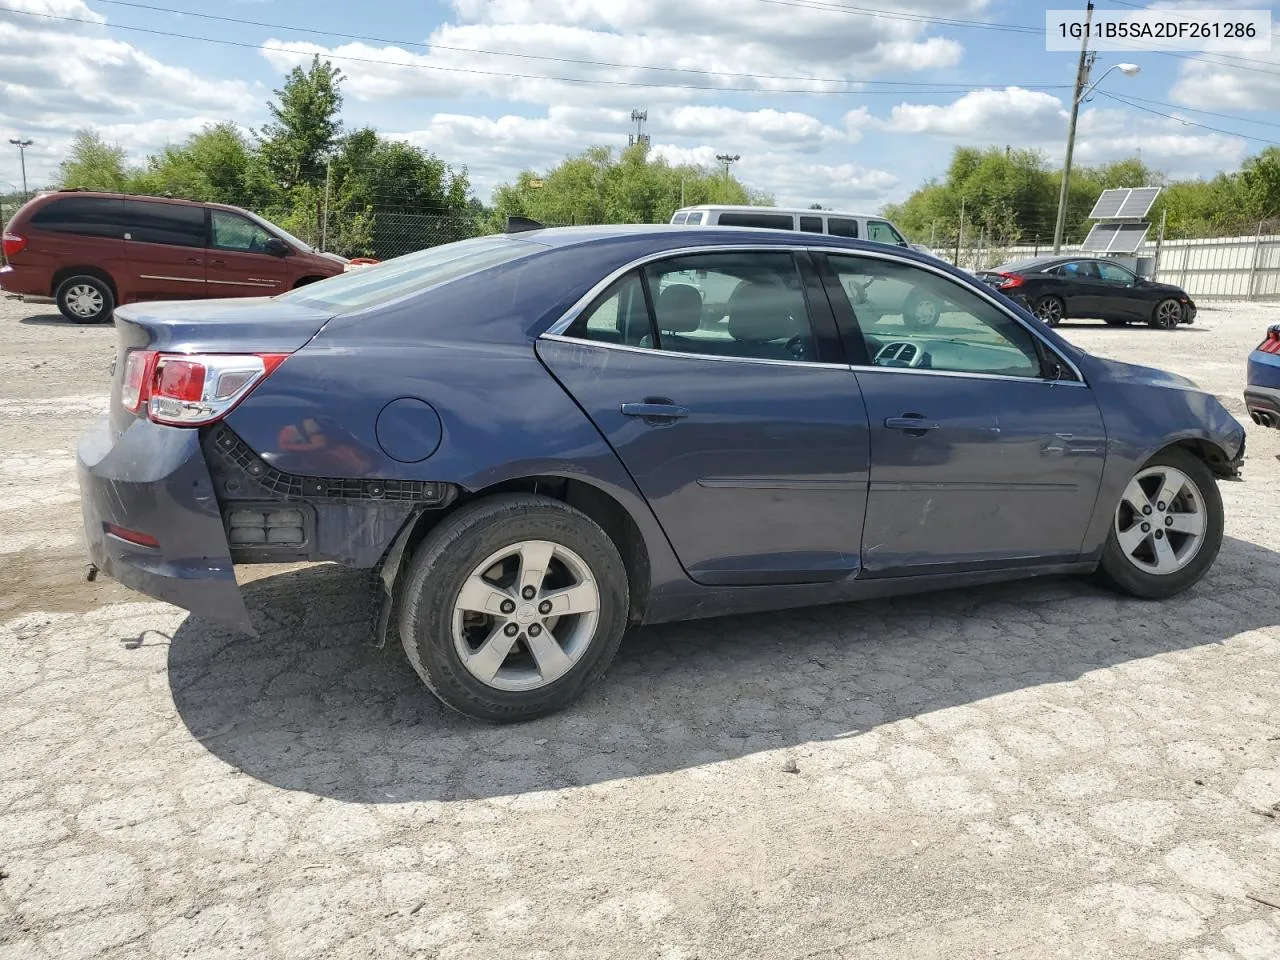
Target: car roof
column 48, row 197
column 676, row 235
column 748, row 208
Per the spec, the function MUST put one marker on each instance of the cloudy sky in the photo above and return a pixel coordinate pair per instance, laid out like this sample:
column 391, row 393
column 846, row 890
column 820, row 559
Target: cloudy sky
column 850, row 103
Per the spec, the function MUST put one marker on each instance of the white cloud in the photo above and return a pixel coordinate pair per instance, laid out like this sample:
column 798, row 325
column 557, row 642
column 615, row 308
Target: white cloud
column 987, row 116
column 1224, row 84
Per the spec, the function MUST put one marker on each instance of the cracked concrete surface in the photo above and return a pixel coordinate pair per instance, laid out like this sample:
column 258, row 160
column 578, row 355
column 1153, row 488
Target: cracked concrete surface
column 1036, row 770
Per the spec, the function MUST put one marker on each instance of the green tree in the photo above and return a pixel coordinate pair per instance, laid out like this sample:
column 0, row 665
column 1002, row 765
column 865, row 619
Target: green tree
column 94, row 164
column 217, row 164
column 305, row 125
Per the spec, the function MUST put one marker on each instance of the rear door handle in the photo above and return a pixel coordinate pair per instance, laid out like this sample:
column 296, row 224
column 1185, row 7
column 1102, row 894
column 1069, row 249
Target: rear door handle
column 218, row 263
column 654, row 410
column 910, row 424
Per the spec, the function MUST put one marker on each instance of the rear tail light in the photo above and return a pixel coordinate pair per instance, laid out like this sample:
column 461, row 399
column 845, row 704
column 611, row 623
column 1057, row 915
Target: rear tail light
column 12, row 244
column 1010, row 280
column 1272, row 343
column 192, row 390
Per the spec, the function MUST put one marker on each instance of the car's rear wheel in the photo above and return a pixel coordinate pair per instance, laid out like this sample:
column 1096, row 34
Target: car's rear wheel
column 921, row 313
column 1166, row 530
column 1051, row 310
column 513, row 606
column 1167, row 314
column 85, row 299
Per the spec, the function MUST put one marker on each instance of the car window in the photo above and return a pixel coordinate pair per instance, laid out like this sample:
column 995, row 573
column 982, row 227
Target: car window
column 411, row 273
column 1082, row 270
column 680, row 218
column 880, row 232
column 1115, row 274
column 949, row 326
column 748, row 305
column 619, row 315
column 774, row 221
column 694, row 219
column 89, row 216
column 811, row 224
column 172, row 224
column 842, row 227
column 234, row 232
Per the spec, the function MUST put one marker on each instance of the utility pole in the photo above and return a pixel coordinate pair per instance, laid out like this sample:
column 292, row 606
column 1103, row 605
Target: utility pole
column 22, row 154
column 1082, row 77
column 324, row 222
column 727, row 159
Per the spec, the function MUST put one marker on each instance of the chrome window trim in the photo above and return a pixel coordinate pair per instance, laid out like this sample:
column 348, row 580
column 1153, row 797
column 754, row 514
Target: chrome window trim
column 680, row 354
column 566, row 320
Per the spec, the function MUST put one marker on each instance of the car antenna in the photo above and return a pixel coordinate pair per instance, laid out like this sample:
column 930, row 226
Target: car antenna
column 521, row 224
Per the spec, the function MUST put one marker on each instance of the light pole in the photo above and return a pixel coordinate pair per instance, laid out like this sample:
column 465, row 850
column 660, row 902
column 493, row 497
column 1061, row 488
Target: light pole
column 22, row 153
column 1082, row 76
column 727, row 159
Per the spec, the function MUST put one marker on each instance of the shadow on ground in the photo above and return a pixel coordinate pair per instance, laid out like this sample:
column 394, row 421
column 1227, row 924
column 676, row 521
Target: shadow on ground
column 310, row 705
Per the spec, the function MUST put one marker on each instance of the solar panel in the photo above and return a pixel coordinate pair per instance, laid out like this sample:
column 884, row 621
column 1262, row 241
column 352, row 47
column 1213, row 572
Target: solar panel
column 1138, row 202
column 1115, row 237
column 1109, row 203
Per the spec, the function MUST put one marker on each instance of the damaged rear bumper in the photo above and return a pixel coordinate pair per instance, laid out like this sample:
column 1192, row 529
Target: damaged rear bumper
column 152, row 485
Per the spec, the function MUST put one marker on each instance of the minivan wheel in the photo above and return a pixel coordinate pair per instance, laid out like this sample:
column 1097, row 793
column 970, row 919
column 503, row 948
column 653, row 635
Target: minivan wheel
column 85, row 299
column 1166, row 530
column 513, row 606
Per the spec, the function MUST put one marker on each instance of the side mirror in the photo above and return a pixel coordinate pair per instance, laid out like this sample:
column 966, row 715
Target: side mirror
column 277, row 247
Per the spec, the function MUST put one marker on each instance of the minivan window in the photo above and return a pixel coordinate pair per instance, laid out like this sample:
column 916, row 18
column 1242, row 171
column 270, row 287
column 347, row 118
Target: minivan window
column 811, row 224
column 90, row 216
column 840, row 227
column 694, row 219
column 880, row 232
column 174, row 224
column 234, row 232
column 774, row 221
column 680, row 218
column 414, row 272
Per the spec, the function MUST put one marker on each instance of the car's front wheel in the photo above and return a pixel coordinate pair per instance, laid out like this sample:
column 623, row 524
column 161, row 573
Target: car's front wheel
column 1167, row 314
column 1167, row 528
column 513, row 606
column 85, row 299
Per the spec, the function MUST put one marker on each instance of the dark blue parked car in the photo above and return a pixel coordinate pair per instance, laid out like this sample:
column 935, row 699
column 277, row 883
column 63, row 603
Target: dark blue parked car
column 542, row 438
column 1262, row 393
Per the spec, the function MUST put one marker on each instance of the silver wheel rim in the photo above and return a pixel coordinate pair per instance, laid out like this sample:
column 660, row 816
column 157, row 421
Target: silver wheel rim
column 1161, row 520
column 526, row 615
column 925, row 313
column 84, row 300
column 1049, row 310
column 1168, row 313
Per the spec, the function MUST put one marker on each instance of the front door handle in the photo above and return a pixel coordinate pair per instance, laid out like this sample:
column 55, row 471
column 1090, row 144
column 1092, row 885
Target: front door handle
column 912, row 424
column 653, row 410
column 193, row 260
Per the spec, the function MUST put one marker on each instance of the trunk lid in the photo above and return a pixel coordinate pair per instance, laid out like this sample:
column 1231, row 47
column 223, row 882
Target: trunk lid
column 242, row 325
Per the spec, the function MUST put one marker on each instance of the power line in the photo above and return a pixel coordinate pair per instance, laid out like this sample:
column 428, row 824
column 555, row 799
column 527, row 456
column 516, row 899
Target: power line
column 1185, row 122
column 1207, row 113
column 938, row 88
column 911, row 17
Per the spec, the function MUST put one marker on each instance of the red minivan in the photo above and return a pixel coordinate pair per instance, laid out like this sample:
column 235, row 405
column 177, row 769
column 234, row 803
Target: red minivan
column 94, row 251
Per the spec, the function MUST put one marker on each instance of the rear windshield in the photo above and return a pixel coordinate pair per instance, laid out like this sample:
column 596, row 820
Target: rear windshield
column 368, row 286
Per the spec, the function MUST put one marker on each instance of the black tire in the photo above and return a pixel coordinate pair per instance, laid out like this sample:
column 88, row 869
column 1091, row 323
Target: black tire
column 921, row 313
column 1051, row 310
column 446, row 559
column 85, row 298
column 1118, row 572
column 1166, row 314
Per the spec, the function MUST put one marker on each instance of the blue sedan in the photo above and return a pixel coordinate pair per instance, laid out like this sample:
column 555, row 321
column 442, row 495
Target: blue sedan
column 1262, row 393
column 541, row 438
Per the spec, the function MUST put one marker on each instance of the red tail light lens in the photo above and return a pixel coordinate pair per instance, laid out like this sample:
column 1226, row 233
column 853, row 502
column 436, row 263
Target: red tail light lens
column 132, row 536
column 12, row 244
column 1010, row 280
column 1272, row 343
column 192, row 390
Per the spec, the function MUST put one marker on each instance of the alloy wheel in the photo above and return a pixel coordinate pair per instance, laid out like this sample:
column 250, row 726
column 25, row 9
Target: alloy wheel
column 1169, row 313
column 1049, row 310
column 1161, row 520
column 526, row 615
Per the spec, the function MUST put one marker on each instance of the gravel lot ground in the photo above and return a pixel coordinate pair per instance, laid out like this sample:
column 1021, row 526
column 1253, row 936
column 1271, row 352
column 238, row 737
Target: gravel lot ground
column 1038, row 770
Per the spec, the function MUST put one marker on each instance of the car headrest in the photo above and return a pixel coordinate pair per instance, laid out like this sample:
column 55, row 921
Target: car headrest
column 679, row 309
column 760, row 312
